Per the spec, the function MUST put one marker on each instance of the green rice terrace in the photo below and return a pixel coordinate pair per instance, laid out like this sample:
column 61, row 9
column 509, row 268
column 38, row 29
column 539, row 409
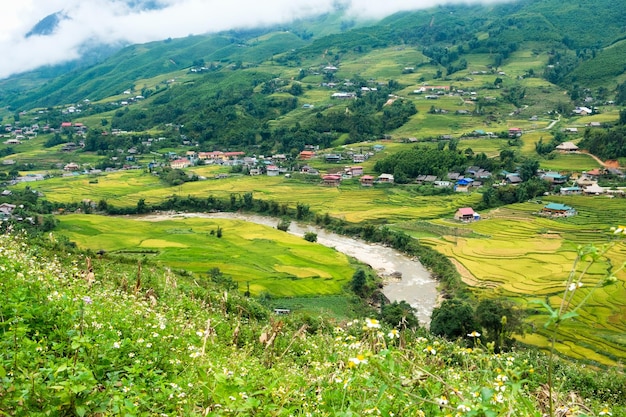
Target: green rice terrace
column 267, row 259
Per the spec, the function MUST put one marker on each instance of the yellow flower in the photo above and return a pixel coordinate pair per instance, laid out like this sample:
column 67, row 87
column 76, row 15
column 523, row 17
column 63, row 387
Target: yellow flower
column 473, row 334
column 352, row 362
column 431, row 350
column 372, row 323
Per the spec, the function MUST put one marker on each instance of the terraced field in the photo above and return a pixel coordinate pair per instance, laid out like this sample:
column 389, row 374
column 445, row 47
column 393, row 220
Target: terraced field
column 349, row 201
column 512, row 252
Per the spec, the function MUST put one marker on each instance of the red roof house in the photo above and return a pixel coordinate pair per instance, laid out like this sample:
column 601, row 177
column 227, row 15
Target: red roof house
column 466, row 214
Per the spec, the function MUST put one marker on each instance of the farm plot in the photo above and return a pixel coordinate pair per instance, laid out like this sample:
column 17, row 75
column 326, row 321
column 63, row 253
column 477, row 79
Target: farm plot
column 515, row 254
column 268, row 260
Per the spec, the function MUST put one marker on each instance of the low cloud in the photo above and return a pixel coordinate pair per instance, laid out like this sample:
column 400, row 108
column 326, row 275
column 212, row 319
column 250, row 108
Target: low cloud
column 118, row 21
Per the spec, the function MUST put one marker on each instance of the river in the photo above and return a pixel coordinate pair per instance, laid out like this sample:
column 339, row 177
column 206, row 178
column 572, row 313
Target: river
column 415, row 285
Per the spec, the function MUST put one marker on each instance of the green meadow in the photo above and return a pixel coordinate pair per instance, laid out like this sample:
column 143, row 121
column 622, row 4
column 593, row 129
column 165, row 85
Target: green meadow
column 266, row 259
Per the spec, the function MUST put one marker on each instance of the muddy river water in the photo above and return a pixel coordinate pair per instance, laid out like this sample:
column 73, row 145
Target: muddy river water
column 405, row 278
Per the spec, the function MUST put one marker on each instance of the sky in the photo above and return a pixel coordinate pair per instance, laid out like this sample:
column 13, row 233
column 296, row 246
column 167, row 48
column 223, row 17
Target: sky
column 114, row 21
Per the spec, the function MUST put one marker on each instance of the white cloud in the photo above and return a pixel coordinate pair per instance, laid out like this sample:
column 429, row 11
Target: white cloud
column 113, row 21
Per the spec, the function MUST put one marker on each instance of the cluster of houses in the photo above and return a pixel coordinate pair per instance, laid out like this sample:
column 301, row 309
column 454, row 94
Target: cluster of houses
column 7, row 211
column 15, row 133
column 587, row 183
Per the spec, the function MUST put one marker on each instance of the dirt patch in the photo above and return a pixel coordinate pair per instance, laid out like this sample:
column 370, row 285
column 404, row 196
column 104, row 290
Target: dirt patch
column 611, row 163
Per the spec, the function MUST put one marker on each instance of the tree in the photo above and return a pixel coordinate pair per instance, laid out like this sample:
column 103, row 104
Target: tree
column 528, row 169
column 498, row 320
column 358, row 283
column 310, row 237
column 620, row 97
column 399, row 314
column 141, row 206
column 453, row 319
column 284, row 224
column 222, row 280
column 296, row 89
column 102, row 205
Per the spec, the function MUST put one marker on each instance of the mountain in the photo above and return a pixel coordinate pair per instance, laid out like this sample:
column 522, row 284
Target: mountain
column 540, row 25
column 47, row 25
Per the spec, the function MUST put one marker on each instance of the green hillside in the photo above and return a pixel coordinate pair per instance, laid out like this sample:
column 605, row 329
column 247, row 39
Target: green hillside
column 548, row 24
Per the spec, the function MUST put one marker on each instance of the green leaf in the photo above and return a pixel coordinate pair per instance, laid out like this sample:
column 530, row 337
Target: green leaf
column 545, row 305
column 80, row 410
column 569, row 315
column 3, row 372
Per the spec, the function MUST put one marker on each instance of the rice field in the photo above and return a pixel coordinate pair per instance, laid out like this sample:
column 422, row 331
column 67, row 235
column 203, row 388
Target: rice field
column 513, row 253
column 268, row 260
column 350, row 201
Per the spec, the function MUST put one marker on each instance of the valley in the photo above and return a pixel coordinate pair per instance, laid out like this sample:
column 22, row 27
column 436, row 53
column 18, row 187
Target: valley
column 486, row 143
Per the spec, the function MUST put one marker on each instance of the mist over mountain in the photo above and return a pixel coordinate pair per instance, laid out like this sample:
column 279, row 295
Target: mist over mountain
column 30, row 41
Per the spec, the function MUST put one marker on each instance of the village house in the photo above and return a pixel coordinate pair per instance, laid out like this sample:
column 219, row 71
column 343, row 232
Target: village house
column 331, row 180
column 582, row 111
column 558, row 210
column 554, row 178
column 272, row 171
column 367, row 181
column 442, row 184
column 593, row 189
column 463, row 185
column 306, row 155
column 343, row 96
column 421, row 179
column 354, row 171
column 566, row 147
column 6, row 210
column 386, row 178
column 435, row 88
column 513, row 178
column 180, row 163
column 574, row 190
column 515, row 132
column 466, row 214
column 229, row 155
column 72, row 166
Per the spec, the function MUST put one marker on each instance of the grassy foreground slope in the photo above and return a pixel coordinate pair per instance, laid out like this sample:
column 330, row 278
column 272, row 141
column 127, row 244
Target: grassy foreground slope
column 89, row 337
